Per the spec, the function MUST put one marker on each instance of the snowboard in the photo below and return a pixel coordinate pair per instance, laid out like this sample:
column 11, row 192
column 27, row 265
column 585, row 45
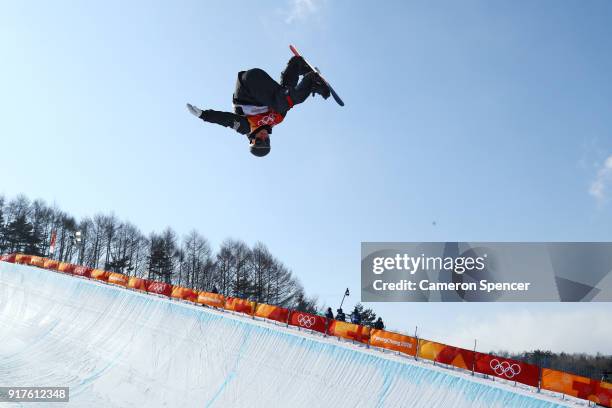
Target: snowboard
column 331, row 90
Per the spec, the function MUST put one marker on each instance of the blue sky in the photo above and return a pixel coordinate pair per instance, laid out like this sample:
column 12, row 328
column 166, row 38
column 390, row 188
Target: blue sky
column 490, row 118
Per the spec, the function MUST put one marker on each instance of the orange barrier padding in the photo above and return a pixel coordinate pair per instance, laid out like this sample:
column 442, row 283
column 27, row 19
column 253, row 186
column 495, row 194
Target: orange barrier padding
column 160, row 288
column 445, row 354
column 66, row 267
column 82, row 271
column 37, row 261
column 272, row 312
column 137, row 283
column 507, row 369
column 603, row 394
column 8, row 258
column 51, row 264
column 350, row 331
column 180, row 292
column 308, row 321
column 577, row 386
column 118, row 279
column 100, row 275
column 240, row 305
column 22, row 259
column 393, row 341
column 211, row 299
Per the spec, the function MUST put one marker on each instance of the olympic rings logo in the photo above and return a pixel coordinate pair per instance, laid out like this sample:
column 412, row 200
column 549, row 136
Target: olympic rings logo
column 504, row 368
column 306, row 321
column 266, row 120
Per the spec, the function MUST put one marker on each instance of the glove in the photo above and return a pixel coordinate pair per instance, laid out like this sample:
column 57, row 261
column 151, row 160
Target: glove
column 194, row 110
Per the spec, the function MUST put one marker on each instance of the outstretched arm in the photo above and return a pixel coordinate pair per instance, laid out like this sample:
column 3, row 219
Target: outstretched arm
column 239, row 123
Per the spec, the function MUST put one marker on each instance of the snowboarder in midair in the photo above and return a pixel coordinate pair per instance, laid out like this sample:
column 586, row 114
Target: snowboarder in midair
column 261, row 103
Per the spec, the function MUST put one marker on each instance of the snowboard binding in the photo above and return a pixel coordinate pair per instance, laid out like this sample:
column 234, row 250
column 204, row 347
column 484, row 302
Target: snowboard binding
column 319, row 86
column 322, row 86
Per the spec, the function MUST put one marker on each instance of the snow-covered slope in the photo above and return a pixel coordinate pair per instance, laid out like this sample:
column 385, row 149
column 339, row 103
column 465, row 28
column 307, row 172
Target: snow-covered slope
column 119, row 348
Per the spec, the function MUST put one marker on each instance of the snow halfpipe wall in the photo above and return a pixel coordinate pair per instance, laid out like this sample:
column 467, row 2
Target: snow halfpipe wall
column 116, row 347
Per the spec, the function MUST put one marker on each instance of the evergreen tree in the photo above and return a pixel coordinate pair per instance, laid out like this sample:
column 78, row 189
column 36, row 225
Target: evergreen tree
column 160, row 259
column 368, row 317
column 118, row 265
column 20, row 236
column 304, row 303
column 34, row 241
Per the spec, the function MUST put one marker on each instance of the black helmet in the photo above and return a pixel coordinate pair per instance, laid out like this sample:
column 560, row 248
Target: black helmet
column 260, row 147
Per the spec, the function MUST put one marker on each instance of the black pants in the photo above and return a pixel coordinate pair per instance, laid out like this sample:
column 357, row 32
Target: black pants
column 256, row 87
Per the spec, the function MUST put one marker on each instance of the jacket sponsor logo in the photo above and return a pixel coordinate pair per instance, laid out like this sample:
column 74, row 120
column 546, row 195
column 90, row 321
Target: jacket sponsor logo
column 306, row 321
column 269, row 119
column 504, row 368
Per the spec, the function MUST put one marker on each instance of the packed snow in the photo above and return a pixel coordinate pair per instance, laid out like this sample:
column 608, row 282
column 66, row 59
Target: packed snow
column 116, row 347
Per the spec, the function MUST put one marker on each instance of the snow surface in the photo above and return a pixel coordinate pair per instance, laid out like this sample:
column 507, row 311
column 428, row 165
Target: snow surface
column 116, row 347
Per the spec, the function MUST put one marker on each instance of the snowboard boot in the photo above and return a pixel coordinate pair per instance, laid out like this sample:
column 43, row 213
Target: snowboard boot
column 319, row 86
column 311, row 83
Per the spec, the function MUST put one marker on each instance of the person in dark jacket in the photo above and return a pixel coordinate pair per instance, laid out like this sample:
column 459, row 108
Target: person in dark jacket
column 378, row 324
column 355, row 317
column 260, row 103
column 215, row 290
column 329, row 314
column 340, row 315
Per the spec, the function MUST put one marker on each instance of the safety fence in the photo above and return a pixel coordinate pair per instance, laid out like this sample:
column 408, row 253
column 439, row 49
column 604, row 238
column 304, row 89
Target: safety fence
column 472, row 361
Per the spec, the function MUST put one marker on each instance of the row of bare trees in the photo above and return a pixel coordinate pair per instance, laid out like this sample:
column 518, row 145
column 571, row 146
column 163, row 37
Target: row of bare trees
column 103, row 241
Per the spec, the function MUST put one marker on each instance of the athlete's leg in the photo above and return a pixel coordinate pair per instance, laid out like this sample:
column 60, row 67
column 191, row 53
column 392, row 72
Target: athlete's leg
column 257, row 85
column 295, row 67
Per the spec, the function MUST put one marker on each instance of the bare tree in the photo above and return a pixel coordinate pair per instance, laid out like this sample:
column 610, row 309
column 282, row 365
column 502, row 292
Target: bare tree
column 198, row 261
column 19, row 206
column 235, row 270
column 223, row 269
column 162, row 256
column 239, row 270
column 262, row 264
